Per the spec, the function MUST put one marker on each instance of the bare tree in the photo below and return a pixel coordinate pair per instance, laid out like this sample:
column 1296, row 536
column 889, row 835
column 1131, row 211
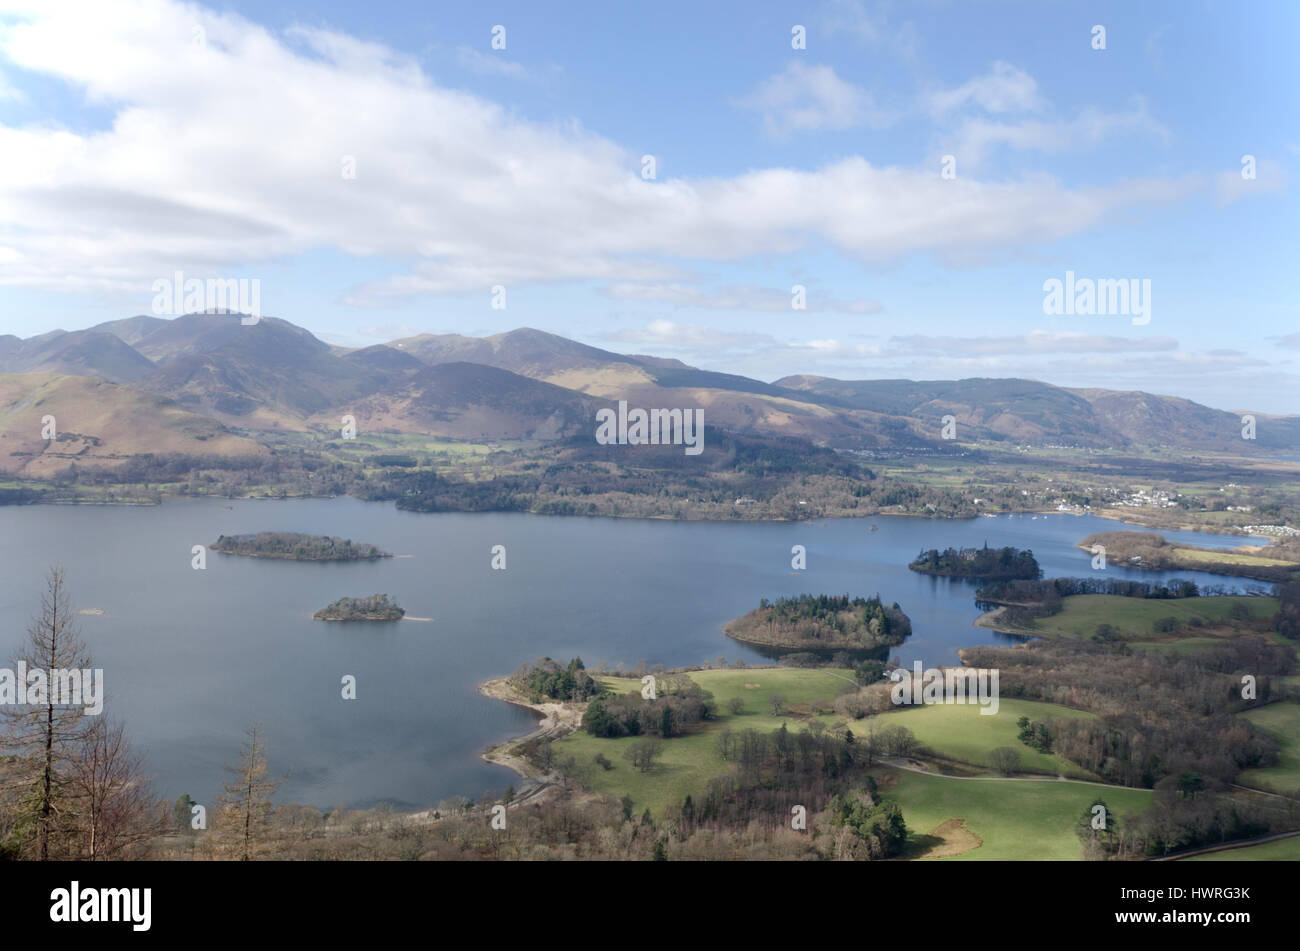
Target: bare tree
column 643, row 753
column 44, row 736
column 245, row 802
column 1005, row 760
column 116, row 805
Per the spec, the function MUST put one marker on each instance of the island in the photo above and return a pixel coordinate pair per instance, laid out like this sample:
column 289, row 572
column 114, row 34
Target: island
column 986, row 564
column 377, row 607
column 297, row 547
column 821, row 622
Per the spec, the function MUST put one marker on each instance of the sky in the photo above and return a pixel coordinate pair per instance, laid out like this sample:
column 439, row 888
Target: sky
column 660, row 178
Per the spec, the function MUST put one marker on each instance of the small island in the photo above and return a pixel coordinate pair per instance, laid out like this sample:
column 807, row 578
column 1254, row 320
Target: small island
column 377, row 607
column 821, row 622
column 297, row 547
column 986, row 564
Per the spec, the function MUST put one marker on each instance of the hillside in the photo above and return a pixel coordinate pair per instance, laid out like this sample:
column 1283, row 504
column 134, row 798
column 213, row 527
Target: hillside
column 82, row 353
column 467, row 401
column 274, row 375
column 99, row 423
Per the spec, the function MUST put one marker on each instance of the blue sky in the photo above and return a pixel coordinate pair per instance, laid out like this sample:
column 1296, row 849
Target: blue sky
column 141, row 139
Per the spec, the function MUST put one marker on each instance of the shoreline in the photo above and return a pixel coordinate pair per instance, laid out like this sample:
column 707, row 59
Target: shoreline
column 1114, row 515
column 557, row 720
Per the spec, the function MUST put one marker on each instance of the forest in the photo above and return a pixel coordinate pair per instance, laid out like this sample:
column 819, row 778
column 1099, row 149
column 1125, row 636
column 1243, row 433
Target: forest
column 297, row 547
column 823, row 622
column 1000, row 564
column 376, row 607
column 546, row 679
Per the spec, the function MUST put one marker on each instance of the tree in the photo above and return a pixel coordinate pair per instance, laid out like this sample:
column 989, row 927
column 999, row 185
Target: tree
column 776, row 704
column 1005, row 760
column 666, row 722
column 245, row 802
column 896, row 740
column 182, row 813
column 642, row 754
column 736, row 705
column 44, row 736
column 116, row 805
column 1098, row 830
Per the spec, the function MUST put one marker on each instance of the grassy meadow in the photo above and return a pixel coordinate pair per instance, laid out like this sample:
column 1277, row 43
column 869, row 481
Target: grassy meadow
column 977, row 815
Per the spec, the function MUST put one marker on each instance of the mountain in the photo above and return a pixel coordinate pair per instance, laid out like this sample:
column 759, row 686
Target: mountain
column 98, row 423
column 264, row 374
column 525, row 351
column 472, row 401
column 732, row 402
column 1145, row 418
column 81, row 353
column 529, row 384
column 132, row 330
column 996, row 409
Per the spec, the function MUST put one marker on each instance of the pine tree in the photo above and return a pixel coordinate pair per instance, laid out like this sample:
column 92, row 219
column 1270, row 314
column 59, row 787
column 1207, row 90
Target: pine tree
column 245, row 802
column 45, row 737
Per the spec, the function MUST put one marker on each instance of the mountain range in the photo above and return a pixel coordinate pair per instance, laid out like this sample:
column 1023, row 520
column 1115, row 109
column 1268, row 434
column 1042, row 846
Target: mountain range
column 210, row 383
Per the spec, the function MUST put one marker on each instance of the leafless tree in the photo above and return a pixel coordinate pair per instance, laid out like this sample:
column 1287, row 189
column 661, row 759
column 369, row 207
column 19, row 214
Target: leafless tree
column 244, row 818
column 44, row 736
column 116, row 807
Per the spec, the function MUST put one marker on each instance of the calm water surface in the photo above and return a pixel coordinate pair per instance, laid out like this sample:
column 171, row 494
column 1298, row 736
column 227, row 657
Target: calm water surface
column 192, row 657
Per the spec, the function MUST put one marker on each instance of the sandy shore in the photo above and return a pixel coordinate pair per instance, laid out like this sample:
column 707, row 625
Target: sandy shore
column 557, row 720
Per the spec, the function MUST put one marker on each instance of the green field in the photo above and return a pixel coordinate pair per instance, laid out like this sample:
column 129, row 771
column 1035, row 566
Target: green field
column 960, row 732
column 1015, row 819
column 689, row 762
column 1134, row 617
column 953, row 731
column 1198, row 557
column 1284, row 850
column 1283, row 721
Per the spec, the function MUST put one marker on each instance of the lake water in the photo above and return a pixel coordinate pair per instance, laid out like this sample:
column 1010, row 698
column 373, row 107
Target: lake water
column 192, row 657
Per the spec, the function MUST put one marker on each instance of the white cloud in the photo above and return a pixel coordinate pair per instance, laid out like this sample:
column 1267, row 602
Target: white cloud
column 804, row 98
column 1037, row 341
column 849, row 16
column 222, row 157
column 489, row 64
column 977, row 137
column 736, row 297
column 1006, row 88
column 670, row 335
column 1270, row 178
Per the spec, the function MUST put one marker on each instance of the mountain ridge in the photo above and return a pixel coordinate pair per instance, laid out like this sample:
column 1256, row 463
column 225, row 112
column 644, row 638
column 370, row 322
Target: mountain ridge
column 532, row 384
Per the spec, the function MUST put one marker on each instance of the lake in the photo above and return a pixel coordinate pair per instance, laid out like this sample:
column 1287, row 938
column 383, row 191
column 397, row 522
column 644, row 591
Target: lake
column 191, row 657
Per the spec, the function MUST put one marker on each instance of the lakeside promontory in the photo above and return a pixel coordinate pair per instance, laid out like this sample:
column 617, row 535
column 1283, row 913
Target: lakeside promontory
column 297, row 547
